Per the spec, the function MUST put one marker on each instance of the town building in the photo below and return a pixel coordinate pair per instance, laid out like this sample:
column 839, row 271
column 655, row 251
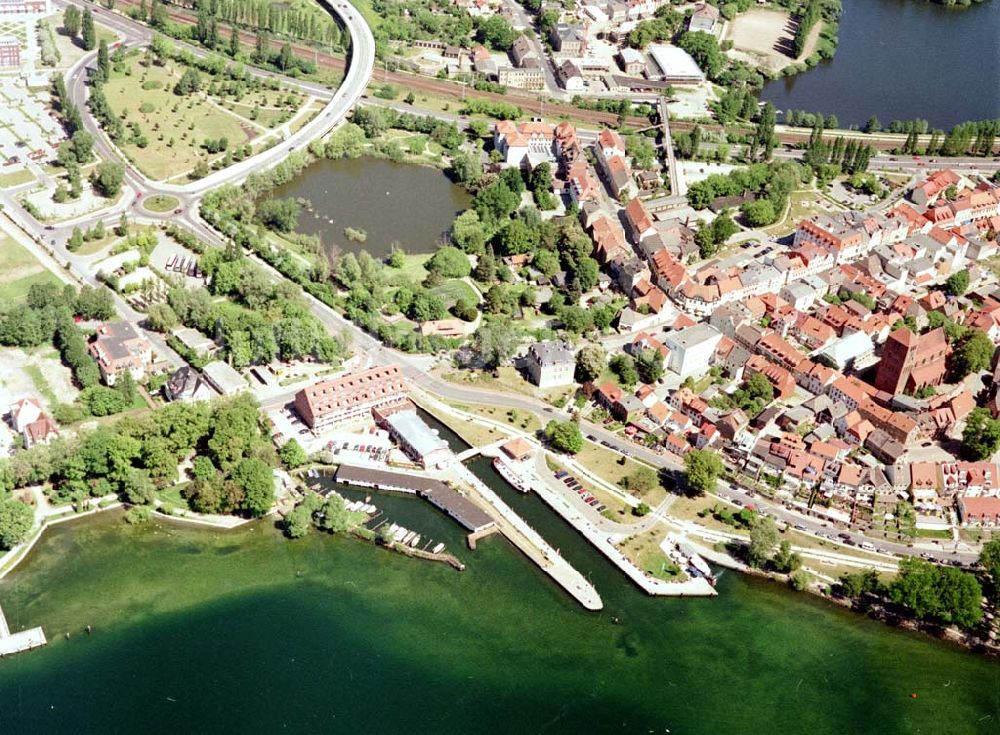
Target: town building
column 568, row 40
column 24, row 7
column 631, row 61
column 525, row 77
column 550, row 364
column 350, row 397
column 10, row 52
column 522, row 51
column 223, row 378
column 703, row 18
column 692, row 349
column 417, row 439
column 120, row 347
column 675, row 64
column 911, row 362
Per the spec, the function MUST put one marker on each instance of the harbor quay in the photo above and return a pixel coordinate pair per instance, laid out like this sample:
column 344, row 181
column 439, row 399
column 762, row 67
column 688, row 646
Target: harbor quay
column 528, row 540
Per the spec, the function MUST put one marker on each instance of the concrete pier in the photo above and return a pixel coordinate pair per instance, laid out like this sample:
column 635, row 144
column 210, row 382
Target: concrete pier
column 17, row 642
column 532, row 544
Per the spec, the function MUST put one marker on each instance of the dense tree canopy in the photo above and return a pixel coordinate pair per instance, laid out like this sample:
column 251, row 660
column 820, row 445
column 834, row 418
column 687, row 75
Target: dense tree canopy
column 702, row 468
column 564, row 436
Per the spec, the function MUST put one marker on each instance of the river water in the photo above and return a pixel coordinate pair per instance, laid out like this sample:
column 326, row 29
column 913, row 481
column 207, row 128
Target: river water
column 207, row 632
column 904, row 59
column 392, row 202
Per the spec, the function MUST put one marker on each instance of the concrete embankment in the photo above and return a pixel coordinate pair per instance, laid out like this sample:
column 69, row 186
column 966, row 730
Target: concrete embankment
column 605, row 543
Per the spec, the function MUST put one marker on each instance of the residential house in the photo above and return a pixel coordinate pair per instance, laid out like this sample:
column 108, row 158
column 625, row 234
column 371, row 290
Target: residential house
column 186, row 384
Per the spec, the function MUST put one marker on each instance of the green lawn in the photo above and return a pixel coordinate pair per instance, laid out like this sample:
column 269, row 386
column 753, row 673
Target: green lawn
column 937, row 533
column 16, row 178
column 454, row 289
column 96, row 246
column 173, row 496
column 413, row 270
column 645, row 553
column 19, row 271
column 160, row 203
column 187, row 121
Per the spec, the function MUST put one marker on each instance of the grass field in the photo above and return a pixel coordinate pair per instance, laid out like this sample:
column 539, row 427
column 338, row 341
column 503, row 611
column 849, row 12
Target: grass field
column 175, row 126
column 16, row 178
column 454, row 289
column 96, row 246
column 473, row 434
column 645, row 552
column 19, row 271
column 160, row 203
column 607, row 465
column 523, row 420
column 413, row 270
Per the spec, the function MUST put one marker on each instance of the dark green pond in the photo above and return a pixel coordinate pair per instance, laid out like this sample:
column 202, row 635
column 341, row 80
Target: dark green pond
column 392, row 202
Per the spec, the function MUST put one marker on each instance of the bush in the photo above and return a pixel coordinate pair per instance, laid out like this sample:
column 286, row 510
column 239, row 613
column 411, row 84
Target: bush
column 564, row 436
column 138, row 515
column 449, row 262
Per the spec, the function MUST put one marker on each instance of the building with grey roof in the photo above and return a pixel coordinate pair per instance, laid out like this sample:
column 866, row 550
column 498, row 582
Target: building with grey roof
column 550, row 364
column 417, row 439
column 224, row 378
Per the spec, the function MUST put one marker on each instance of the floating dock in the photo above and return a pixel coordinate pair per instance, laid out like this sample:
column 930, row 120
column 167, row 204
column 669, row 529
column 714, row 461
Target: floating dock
column 17, row 642
column 456, row 505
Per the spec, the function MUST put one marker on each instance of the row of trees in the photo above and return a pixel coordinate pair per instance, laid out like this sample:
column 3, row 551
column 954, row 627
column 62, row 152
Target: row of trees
column 805, row 22
column 930, row 592
column 80, row 26
column 828, row 159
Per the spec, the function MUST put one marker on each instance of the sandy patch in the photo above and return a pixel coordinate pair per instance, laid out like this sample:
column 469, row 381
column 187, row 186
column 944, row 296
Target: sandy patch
column 764, row 37
column 17, row 382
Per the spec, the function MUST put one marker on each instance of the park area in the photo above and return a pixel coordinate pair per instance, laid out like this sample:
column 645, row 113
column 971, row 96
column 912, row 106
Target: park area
column 169, row 134
column 19, row 271
column 764, row 37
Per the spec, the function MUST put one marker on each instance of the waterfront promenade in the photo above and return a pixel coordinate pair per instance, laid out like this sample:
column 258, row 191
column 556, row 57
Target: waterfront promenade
column 606, row 542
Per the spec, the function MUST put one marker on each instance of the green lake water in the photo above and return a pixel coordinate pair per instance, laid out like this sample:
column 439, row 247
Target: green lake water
column 245, row 632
